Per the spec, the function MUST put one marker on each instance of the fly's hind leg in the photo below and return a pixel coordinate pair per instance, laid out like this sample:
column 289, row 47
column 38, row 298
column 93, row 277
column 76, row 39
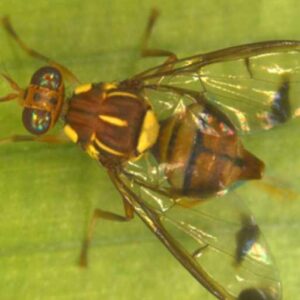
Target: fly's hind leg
column 104, row 215
column 151, row 52
column 33, row 53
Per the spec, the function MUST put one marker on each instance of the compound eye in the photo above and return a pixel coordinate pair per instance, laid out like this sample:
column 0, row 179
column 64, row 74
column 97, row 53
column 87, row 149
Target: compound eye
column 36, row 121
column 47, row 77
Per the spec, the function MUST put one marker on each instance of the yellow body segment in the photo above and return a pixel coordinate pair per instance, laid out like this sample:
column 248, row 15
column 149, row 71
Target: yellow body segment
column 114, row 121
column 104, row 147
column 109, row 86
column 92, row 151
column 122, row 94
column 82, row 88
column 149, row 132
column 71, row 133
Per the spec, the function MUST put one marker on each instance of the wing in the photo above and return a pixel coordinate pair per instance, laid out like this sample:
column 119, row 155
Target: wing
column 217, row 240
column 255, row 85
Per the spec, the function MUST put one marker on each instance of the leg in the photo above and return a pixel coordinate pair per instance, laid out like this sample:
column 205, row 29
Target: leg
column 148, row 52
column 276, row 189
column 51, row 139
column 10, row 30
column 105, row 215
column 9, row 97
column 18, row 94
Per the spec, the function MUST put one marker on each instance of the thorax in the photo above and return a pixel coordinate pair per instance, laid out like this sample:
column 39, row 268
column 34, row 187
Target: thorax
column 111, row 124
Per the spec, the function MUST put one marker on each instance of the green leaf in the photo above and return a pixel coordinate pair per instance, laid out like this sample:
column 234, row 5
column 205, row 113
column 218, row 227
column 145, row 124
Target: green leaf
column 49, row 191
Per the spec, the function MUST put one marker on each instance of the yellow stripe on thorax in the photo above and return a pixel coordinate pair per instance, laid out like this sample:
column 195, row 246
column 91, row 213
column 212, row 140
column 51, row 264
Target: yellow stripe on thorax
column 122, row 94
column 113, row 120
column 82, row 88
column 109, row 86
column 104, row 147
column 71, row 133
column 92, row 151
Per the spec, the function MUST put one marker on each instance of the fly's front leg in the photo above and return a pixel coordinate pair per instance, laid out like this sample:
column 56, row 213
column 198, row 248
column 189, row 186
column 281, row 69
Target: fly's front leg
column 104, row 215
column 33, row 53
column 50, row 139
column 17, row 94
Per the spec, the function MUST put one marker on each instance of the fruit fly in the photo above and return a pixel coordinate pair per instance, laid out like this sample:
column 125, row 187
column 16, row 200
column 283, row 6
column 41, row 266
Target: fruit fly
column 170, row 141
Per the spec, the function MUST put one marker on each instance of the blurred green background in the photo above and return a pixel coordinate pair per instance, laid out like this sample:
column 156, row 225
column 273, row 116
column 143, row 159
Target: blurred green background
column 48, row 192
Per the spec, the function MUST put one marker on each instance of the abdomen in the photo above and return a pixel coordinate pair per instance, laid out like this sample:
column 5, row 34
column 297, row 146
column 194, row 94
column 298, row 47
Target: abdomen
column 202, row 153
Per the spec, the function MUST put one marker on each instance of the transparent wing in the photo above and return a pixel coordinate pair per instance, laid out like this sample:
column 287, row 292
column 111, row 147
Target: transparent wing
column 256, row 85
column 216, row 240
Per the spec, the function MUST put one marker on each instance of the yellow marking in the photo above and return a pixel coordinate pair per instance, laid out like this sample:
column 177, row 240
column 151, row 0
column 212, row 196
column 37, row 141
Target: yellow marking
column 122, row 94
column 71, row 133
column 82, row 88
column 149, row 132
column 136, row 158
column 114, row 121
column 109, row 86
column 92, row 151
column 108, row 149
column 165, row 136
column 104, row 147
